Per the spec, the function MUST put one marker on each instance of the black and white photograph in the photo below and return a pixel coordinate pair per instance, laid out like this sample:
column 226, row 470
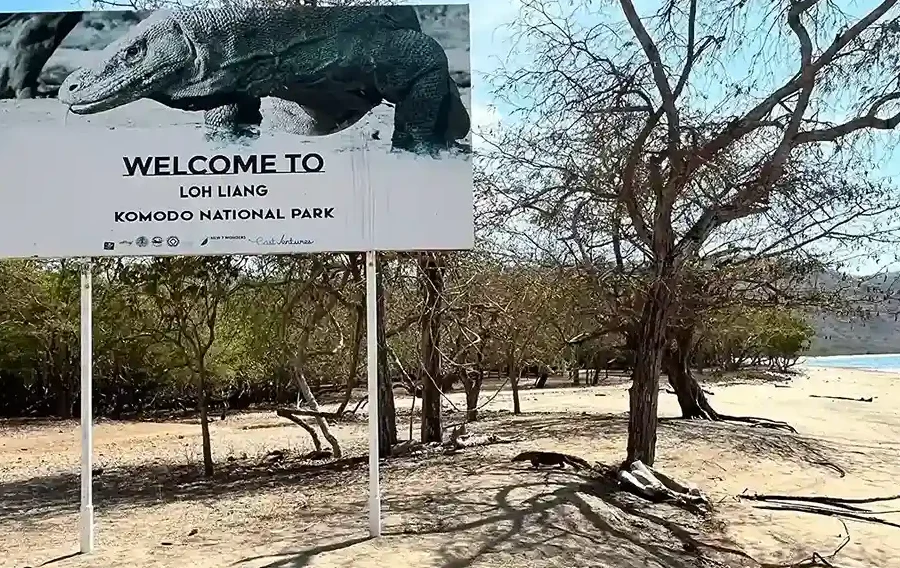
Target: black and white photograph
column 400, row 73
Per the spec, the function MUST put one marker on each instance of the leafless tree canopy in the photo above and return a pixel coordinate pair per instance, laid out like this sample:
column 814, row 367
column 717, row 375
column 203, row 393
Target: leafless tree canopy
column 695, row 136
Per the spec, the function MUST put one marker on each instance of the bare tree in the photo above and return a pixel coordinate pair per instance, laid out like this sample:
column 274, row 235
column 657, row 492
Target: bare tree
column 631, row 126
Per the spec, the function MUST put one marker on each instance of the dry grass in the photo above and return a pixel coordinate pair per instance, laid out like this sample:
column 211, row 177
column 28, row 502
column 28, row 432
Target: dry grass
column 471, row 509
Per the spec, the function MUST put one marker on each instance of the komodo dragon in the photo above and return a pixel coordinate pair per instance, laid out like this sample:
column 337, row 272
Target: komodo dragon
column 538, row 458
column 337, row 64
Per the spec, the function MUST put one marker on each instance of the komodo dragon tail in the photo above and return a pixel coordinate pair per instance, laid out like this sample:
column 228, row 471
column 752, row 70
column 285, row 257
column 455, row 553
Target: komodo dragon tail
column 576, row 462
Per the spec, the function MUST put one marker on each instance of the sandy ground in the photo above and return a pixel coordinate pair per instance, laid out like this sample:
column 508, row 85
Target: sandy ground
column 470, row 509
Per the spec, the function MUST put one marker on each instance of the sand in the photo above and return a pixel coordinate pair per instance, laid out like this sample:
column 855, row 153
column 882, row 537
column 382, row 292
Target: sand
column 474, row 508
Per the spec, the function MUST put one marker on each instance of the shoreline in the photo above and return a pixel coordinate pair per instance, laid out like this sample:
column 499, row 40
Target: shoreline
column 868, row 362
column 820, row 368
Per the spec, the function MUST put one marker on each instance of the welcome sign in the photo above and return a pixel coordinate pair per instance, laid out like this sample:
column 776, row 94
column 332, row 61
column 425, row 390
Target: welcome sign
column 156, row 133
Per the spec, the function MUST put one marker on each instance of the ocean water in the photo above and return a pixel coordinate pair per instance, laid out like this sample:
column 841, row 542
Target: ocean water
column 887, row 363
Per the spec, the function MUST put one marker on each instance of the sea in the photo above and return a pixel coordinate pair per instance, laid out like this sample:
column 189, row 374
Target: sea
column 888, row 363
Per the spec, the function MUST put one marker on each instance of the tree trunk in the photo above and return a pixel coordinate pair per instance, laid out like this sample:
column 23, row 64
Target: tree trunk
column 473, row 387
column 317, row 443
column 433, row 284
column 320, row 420
column 514, row 376
column 691, row 398
column 644, row 391
column 356, row 349
column 204, row 425
column 30, row 50
column 387, row 413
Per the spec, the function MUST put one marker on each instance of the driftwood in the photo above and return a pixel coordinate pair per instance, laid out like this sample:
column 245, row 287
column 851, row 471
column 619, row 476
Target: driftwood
column 861, row 399
column 842, row 502
column 472, row 441
column 656, row 486
column 824, row 505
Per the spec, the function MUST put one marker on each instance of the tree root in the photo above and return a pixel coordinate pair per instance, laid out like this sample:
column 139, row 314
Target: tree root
column 753, row 421
column 756, row 422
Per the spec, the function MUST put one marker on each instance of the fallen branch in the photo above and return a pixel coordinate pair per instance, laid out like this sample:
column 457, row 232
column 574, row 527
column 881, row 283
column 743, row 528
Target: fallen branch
column 863, row 517
column 655, row 486
column 283, row 412
column 471, row 441
column 824, row 505
column 312, row 432
column 869, row 399
column 824, row 499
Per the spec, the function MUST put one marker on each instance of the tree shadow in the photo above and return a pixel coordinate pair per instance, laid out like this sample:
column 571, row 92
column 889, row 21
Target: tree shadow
column 304, row 557
column 745, row 439
column 579, row 521
column 34, row 499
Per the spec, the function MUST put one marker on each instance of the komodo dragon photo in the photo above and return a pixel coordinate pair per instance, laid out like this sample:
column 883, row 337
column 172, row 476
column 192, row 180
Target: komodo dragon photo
column 335, row 64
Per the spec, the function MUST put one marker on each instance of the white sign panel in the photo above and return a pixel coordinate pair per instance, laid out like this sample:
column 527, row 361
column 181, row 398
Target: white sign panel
column 216, row 132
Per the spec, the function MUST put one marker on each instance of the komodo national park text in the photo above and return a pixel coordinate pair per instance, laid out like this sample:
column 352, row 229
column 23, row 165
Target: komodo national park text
column 337, row 64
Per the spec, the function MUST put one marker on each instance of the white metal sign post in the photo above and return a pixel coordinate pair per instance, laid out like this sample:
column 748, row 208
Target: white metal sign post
column 86, row 520
column 372, row 364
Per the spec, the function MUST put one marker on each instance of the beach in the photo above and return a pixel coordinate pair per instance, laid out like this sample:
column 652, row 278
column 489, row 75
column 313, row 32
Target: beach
column 476, row 508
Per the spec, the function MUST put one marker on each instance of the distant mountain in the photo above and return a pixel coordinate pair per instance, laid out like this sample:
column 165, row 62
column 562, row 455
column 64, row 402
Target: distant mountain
column 872, row 325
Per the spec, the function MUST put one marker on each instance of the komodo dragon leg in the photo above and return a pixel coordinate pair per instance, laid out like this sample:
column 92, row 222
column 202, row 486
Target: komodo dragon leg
column 242, row 120
column 412, row 72
column 239, row 120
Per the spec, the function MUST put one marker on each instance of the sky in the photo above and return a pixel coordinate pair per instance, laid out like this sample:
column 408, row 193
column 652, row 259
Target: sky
column 490, row 42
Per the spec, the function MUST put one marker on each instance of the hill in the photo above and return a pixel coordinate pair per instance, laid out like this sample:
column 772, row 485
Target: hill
column 870, row 326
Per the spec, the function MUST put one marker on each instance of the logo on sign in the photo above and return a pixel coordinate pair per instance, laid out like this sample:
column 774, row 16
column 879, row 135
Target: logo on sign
column 282, row 240
column 173, row 241
column 109, row 245
column 141, row 242
column 157, row 241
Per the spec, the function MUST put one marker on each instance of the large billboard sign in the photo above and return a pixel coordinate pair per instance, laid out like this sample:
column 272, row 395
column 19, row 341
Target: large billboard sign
column 235, row 131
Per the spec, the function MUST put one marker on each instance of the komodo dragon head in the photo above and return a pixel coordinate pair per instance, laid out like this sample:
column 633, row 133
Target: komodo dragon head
column 158, row 60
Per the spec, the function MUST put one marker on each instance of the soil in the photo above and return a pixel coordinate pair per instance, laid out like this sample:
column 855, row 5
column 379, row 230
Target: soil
column 474, row 508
